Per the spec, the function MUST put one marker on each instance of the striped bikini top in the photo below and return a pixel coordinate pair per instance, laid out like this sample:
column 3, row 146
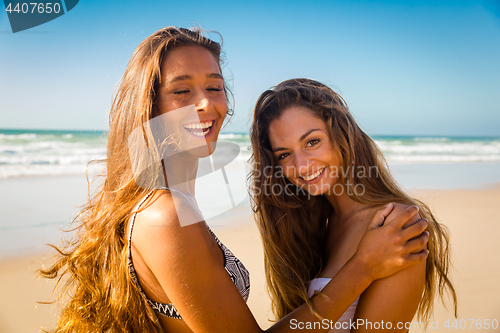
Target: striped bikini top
column 234, row 267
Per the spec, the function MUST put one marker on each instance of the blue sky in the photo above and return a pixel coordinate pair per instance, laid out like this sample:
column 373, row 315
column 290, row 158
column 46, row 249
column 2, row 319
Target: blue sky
column 419, row 68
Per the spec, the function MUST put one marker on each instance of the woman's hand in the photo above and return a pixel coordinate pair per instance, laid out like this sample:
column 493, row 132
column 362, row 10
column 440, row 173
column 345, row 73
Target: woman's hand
column 391, row 244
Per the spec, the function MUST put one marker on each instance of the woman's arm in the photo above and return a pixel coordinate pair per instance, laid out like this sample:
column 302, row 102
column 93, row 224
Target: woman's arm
column 390, row 303
column 186, row 265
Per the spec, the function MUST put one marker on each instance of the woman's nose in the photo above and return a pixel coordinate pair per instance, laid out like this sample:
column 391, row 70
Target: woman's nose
column 302, row 163
column 203, row 102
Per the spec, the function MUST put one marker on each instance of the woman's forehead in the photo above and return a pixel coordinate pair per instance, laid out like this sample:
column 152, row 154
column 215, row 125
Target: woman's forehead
column 293, row 125
column 189, row 60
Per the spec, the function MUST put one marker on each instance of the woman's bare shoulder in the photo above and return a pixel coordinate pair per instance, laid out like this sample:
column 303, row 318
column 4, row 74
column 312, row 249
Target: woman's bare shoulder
column 158, row 231
column 157, row 210
column 399, row 208
column 163, row 217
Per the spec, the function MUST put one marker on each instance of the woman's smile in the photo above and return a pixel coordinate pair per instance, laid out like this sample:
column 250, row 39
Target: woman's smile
column 313, row 178
column 200, row 130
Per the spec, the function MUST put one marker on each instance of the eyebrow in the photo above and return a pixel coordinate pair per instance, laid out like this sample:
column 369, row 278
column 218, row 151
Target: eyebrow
column 301, row 138
column 189, row 77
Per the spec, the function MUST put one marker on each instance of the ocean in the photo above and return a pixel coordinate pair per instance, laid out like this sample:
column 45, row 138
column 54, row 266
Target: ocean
column 42, row 153
column 43, row 183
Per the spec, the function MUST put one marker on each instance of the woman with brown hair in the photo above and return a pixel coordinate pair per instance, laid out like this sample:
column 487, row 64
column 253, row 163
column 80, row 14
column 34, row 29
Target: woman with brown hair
column 335, row 179
column 142, row 258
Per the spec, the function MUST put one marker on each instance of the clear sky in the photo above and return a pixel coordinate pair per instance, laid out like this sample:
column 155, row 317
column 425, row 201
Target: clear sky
column 404, row 67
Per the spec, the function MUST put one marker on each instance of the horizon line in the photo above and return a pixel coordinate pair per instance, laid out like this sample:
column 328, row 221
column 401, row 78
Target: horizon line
column 246, row 133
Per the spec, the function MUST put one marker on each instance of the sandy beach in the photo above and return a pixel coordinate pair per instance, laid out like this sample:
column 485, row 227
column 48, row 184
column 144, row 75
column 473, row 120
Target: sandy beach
column 470, row 214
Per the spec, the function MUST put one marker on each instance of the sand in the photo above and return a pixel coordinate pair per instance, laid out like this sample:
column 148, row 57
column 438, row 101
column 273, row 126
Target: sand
column 472, row 216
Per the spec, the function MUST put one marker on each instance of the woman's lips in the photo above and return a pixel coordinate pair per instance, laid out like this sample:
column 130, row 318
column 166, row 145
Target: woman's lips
column 200, row 130
column 315, row 176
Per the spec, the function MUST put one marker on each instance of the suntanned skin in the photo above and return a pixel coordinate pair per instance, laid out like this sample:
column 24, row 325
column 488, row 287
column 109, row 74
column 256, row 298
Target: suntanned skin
column 392, row 299
column 302, row 146
column 183, row 265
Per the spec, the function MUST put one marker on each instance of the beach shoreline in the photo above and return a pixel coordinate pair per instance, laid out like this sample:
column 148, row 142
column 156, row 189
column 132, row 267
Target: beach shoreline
column 470, row 215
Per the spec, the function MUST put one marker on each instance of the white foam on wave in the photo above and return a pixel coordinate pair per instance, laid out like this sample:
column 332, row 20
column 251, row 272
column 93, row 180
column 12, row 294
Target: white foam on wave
column 228, row 136
column 440, row 150
column 36, row 154
column 24, row 136
column 441, row 159
column 457, row 148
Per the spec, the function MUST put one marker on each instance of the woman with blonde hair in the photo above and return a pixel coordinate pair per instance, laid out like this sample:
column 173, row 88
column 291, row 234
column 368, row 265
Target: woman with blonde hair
column 335, row 179
column 142, row 258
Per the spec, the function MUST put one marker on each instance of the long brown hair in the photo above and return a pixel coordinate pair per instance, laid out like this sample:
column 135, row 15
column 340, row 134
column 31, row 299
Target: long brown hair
column 99, row 292
column 293, row 223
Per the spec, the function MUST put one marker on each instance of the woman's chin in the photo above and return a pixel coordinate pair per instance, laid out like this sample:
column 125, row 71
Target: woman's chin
column 316, row 189
column 203, row 151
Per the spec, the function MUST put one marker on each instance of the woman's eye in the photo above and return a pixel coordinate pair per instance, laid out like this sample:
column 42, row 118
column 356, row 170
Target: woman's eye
column 179, row 92
column 214, row 89
column 282, row 156
column 313, row 142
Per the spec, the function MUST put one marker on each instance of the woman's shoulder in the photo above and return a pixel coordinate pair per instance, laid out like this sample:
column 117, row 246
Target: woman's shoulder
column 400, row 207
column 165, row 213
column 158, row 209
column 159, row 229
column 168, row 209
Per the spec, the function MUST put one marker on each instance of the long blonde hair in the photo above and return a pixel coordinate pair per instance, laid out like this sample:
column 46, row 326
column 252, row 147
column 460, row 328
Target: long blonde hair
column 293, row 224
column 99, row 292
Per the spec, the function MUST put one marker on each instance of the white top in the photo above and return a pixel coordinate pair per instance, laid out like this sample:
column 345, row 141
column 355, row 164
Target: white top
column 316, row 286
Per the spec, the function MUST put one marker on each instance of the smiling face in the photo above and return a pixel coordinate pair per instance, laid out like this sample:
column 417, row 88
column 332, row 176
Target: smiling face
column 301, row 145
column 190, row 76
